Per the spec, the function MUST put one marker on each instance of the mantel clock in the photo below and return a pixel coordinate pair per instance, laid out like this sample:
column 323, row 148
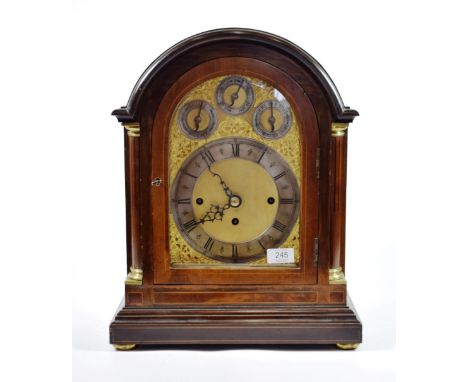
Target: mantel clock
column 235, row 163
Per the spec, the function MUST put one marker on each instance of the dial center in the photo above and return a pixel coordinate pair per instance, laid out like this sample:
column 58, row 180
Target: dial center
column 235, row 201
column 248, row 215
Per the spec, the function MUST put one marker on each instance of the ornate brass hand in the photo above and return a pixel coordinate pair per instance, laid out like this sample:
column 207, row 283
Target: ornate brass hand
column 197, row 118
column 226, row 189
column 235, row 95
column 271, row 118
column 215, row 213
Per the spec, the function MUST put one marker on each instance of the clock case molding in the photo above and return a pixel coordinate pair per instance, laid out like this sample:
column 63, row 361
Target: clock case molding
column 297, row 313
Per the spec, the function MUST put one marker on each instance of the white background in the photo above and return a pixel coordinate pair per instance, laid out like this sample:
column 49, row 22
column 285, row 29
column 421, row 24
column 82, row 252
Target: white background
column 401, row 64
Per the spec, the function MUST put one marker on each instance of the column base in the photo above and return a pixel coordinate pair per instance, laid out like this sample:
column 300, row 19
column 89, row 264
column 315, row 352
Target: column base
column 134, row 277
column 336, row 276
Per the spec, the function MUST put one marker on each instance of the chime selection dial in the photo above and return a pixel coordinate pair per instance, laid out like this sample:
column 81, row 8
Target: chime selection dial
column 235, row 95
column 233, row 198
column 197, row 119
column 272, row 119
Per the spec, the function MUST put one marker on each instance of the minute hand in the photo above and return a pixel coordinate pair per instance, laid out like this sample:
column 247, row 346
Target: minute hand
column 272, row 119
column 226, row 189
column 235, row 95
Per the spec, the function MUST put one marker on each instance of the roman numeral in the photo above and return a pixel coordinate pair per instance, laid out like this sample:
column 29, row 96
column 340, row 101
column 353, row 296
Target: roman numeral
column 261, row 245
column 235, row 149
column 280, row 175
column 234, row 252
column 208, row 158
column 261, row 156
column 209, row 244
column 186, row 173
column 190, row 225
column 286, row 201
column 183, row 201
column 279, row 226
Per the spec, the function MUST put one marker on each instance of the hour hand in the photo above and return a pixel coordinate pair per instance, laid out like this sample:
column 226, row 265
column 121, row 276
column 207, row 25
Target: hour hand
column 235, row 95
column 197, row 118
column 272, row 121
column 271, row 118
column 215, row 213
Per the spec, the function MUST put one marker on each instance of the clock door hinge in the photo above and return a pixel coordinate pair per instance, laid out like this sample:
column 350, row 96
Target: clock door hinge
column 316, row 249
column 317, row 163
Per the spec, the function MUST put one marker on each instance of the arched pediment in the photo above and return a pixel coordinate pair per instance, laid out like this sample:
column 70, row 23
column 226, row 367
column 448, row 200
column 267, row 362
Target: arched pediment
column 203, row 47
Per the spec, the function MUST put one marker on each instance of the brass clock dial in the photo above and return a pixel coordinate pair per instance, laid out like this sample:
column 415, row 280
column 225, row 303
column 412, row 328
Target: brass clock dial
column 233, row 198
column 272, row 119
column 235, row 95
column 197, row 119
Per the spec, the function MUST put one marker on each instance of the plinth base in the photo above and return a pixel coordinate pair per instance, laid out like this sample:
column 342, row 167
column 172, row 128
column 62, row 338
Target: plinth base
column 246, row 324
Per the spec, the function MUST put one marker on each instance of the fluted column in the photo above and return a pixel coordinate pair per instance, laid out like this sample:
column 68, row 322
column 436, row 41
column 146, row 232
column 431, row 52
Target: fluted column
column 335, row 272
column 135, row 276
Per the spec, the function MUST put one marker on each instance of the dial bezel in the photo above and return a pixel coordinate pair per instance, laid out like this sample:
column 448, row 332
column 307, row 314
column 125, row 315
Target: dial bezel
column 284, row 110
column 183, row 123
column 244, row 84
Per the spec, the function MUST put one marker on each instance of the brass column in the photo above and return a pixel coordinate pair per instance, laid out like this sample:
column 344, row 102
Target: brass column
column 338, row 146
column 135, row 276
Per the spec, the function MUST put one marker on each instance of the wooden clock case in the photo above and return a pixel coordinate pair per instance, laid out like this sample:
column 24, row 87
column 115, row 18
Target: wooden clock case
column 167, row 305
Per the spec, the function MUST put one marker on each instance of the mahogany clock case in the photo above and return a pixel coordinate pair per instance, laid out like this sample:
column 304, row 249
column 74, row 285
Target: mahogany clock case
column 164, row 304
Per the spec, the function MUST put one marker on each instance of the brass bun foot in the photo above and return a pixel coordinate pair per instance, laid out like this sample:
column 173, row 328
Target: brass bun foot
column 124, row 346
column 347, row 346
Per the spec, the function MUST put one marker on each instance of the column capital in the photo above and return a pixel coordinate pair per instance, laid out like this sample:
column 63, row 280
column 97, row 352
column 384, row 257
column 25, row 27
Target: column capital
column 338, row 129
column 133, row 128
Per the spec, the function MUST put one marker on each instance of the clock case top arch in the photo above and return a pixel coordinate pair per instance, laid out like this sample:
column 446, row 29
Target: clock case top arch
column 205, row 46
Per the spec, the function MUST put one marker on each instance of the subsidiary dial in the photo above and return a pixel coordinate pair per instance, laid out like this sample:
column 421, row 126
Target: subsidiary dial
column 272, row 119
column 235, row 95
column 197, row 119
